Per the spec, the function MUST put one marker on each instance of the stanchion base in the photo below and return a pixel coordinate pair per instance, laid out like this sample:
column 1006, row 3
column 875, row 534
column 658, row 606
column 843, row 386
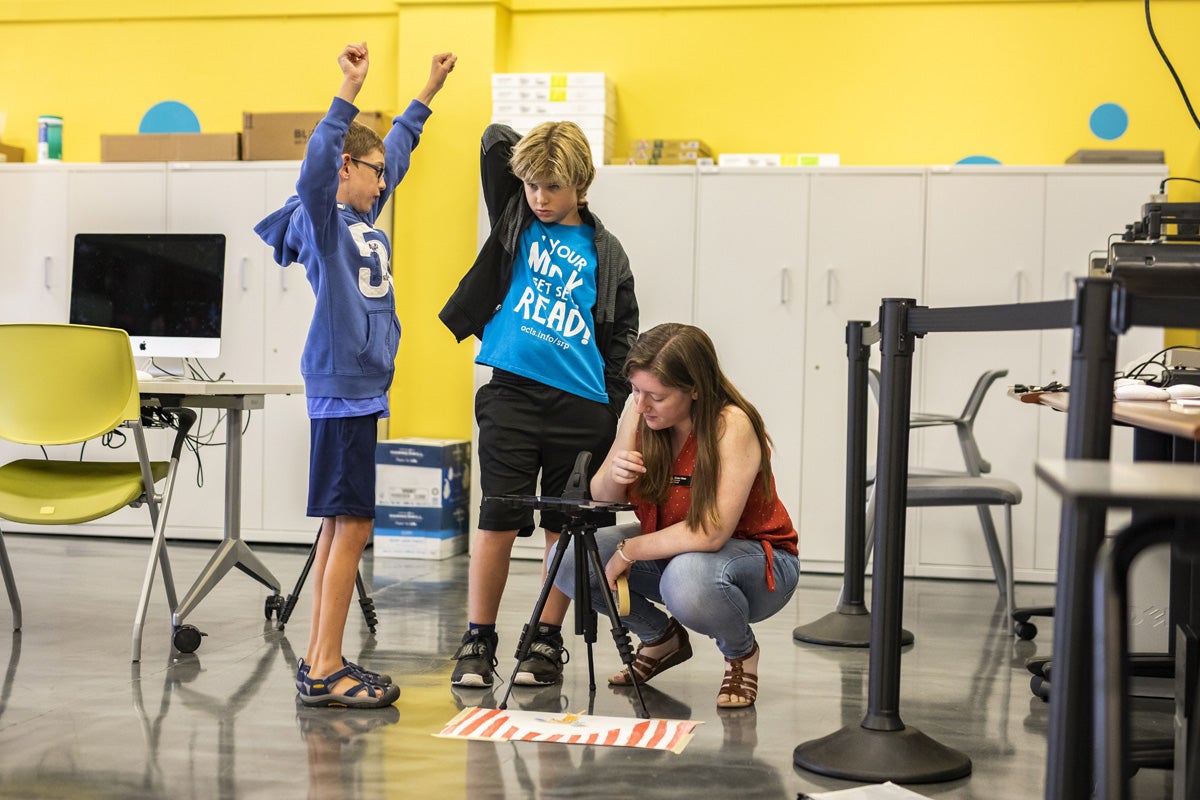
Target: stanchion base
column 839, row 629
column 860, row 754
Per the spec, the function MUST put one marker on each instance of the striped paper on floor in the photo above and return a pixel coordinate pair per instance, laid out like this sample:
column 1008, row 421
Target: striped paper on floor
column 501, row 725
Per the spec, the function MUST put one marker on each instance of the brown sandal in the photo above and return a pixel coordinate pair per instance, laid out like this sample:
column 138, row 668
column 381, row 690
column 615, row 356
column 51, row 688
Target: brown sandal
column 738, row 684
column 647, row 667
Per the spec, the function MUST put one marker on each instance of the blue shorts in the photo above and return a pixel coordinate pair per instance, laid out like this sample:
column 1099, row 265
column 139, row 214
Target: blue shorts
column 341, row 467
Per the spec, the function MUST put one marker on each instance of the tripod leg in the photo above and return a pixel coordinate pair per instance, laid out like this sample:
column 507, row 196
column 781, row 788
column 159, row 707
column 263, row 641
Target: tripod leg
column 289, row 604
column 528, row 632
column 585, row 614
column 619, row 632
column 365, row 602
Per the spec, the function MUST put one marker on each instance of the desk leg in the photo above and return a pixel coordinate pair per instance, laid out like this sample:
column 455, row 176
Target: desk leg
column 232, row 552
column 882, row 747
column 1069, row 763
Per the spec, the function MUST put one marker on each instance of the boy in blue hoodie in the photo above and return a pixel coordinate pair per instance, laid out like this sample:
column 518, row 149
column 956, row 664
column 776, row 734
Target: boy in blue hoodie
column 349, row 356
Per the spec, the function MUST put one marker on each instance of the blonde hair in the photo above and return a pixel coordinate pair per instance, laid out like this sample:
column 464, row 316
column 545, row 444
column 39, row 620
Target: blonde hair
column 361, row 140
column 559, row 150
column 683, row 357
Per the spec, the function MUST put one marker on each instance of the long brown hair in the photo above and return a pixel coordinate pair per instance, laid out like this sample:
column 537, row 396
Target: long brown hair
column 683, row 357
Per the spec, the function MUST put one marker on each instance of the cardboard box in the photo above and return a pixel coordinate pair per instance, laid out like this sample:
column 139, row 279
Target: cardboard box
column 422, row 496
column 417, row 518
column 669, row 145
column 431, row 545
column 11, row 155
column 664, row 161
column 282, row 136
column 422, row 473
column 170, row 147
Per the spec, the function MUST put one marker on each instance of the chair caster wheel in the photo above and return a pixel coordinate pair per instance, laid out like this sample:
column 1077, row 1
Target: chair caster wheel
column 187, row 638
column 273, row 607
column 1040, row 688
column 1025, row 630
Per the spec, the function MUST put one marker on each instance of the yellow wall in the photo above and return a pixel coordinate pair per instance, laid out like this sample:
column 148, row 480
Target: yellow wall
column 885, row 82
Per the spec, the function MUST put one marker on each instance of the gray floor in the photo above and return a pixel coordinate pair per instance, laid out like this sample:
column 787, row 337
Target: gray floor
column 78, row 720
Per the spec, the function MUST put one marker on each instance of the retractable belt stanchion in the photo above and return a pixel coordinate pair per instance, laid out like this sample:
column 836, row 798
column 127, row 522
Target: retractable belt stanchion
column 583, row 516
column 882, row 747
column 849, row 625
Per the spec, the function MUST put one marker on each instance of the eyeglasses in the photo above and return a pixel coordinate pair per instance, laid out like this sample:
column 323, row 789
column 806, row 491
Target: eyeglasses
column 379, row 168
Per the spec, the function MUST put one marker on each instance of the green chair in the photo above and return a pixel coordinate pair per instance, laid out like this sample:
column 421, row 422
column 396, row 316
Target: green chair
column 67, row 384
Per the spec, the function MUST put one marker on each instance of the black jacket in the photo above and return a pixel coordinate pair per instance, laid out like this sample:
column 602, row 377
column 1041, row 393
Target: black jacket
column 483, row 288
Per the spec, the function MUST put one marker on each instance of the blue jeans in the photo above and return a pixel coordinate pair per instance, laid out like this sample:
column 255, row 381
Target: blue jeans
column 717, row 594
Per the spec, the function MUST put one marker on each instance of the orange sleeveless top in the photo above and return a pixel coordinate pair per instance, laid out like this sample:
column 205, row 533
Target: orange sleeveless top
column 765, row 521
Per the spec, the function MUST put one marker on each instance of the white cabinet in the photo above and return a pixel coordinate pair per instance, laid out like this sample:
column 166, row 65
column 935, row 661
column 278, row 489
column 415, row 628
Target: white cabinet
column 866, row 236
column 652, row 211
column 265, row 317
column 751, row 289
column 998, row 235
column 35, row 254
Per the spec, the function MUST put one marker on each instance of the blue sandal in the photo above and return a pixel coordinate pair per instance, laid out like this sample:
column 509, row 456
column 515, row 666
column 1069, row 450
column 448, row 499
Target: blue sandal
column 315, row 692
column 362, row 673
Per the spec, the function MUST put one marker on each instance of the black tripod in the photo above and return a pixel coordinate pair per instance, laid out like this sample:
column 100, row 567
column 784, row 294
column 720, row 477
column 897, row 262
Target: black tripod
column 582, row 518
column 364, row 600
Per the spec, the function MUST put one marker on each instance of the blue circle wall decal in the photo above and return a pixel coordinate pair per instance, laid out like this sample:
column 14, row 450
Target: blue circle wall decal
column 169, row 116
column 1109, row 121
column 978, row 160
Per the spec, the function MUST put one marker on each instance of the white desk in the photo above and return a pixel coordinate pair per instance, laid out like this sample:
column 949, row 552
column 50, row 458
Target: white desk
column 233, row 398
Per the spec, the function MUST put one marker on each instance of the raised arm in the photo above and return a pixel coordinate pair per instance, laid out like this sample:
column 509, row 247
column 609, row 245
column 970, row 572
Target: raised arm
column 443, row 65
column 354, row 63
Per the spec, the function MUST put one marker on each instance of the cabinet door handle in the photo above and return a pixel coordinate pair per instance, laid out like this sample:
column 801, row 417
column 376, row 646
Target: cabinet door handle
column 282, row 279
column 829, row 286
column 244, row 269
column 1020, row 280
column 785, row 286
column 47, row 267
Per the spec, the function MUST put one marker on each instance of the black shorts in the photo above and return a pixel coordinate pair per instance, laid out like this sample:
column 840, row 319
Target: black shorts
column 341, row 467
column 527, row 428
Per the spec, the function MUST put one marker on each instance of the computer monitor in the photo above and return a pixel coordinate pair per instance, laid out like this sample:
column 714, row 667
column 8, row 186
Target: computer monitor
column 163, row 289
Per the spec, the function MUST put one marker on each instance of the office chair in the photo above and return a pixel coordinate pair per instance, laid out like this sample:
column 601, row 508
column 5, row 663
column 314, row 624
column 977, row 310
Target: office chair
column 67, row 384
column 968, row 487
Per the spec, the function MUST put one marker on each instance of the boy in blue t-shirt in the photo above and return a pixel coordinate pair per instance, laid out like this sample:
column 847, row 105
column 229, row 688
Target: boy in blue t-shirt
column 551, row 297
column 349, row 357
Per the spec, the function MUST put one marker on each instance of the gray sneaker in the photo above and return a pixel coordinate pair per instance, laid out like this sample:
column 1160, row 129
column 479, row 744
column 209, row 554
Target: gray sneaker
column 476, row 658
column 544, row 664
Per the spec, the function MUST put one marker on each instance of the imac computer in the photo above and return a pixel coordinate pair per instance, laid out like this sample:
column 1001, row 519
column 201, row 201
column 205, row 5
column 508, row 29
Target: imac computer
column 163, row 289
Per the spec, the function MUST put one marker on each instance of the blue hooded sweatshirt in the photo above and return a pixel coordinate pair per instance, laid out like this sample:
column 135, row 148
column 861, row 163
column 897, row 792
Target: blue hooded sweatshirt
column 350, row 351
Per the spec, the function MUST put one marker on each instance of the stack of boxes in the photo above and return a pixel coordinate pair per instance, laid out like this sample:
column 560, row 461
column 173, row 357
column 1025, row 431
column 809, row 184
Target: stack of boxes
column 666, row 151
column 271, row 136
column 524, row 100
column 422, row 494
column 778, row 160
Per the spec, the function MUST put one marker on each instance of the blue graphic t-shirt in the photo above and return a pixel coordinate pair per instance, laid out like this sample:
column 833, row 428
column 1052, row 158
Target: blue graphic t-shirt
column 544, row 330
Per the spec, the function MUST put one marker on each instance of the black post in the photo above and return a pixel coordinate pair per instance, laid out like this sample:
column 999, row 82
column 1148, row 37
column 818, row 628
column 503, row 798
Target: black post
column 882, row 748
column 850, row 624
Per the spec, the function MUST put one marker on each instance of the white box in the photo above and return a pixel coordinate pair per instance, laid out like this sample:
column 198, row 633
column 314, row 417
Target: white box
column 431, row 545
column 778, row 160
column 554, row 94
column 560, row 79
column 570, row 109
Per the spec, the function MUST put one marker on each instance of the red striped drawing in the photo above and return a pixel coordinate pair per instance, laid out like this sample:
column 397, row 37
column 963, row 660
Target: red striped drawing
column 497, row 725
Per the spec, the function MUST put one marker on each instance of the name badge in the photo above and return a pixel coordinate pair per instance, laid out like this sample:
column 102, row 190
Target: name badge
column 681, row 480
